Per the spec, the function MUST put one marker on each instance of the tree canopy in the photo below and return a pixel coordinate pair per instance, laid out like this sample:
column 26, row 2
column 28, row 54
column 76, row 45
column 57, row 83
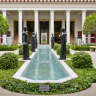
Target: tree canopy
column 4, row 26
column 89, row 26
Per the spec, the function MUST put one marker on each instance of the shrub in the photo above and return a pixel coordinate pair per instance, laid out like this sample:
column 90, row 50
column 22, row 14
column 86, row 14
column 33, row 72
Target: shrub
column 7, row 48
column 8, row 61
column 20, row 46
column 84, row 80
column 81, row 60
column 83, row 48
column 59, row 50
column 30, row 46
column 21, row 51
column 56, row 45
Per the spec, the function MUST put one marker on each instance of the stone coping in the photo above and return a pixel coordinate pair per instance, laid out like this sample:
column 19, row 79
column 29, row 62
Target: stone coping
column 67, row 68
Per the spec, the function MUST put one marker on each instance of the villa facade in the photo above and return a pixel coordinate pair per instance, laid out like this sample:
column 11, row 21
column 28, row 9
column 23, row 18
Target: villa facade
column 46, row 17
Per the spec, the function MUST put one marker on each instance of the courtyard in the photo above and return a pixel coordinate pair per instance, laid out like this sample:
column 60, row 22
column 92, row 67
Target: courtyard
column 47, row 47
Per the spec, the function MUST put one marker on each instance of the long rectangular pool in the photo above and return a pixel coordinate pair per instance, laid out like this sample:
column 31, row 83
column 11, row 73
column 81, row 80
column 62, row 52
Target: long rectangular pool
column 45, row 67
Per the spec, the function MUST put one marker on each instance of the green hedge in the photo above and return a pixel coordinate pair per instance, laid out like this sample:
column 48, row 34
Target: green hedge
column 8, row 61
column 7, row 48
column 82, row 60
column 56, row 45
column 81, row 48
column 57, row 48
column 21, row 51
column 84, row 80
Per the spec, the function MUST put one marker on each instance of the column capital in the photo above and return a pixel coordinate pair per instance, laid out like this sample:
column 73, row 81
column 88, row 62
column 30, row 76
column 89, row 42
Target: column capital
column 3, row 10
column 19, row 10
column 52, row 10
column 35, row 10
column 68, row 11
column 84, row 10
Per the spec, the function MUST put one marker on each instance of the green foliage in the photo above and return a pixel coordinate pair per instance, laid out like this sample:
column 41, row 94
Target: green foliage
column 82, row 60
column 56, row 45
column 84, row 80
column 7, row 48
column 83, row 48
column 59, row 50
column 89, row 44
column 8, row 61
column 89, row 26
column 30, row 46
column 21, row 51
column 4, row 26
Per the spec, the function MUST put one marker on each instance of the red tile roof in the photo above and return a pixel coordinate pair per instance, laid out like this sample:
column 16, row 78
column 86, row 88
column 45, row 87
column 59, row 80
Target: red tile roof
column 47, row 1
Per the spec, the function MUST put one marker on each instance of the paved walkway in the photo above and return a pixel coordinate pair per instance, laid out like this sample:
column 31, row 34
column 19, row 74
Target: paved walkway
column 89, row 92
column 16, row 52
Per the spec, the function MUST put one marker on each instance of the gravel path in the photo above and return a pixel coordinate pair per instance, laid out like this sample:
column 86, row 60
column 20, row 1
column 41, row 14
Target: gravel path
column 16, row 52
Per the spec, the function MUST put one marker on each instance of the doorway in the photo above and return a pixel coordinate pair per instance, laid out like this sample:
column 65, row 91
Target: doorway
column 30, row 29
column 57, row 30
column 72, row 28
column 44, row 32
column 15, row 32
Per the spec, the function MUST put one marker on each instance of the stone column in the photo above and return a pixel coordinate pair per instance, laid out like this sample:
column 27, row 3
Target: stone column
column 20, row 26
column 68, row 26
column 83, row 19
column 36, row 19
column 51, row 24
column 4, row 36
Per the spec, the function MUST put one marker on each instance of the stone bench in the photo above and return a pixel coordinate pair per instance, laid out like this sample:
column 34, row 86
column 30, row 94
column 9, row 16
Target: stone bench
column 92, row 48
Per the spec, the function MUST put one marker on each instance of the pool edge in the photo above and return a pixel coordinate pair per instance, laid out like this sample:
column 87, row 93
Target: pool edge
column 71, row 73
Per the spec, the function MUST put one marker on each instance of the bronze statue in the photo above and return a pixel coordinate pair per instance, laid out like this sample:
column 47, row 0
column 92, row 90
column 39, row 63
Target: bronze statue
column 62, row 36
column 33, row 43
column 36, row 40
column 52, row 41
column 25, row 44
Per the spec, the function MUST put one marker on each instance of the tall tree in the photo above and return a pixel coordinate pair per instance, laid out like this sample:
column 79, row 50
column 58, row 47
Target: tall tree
column 89, row 26
column 4, row 26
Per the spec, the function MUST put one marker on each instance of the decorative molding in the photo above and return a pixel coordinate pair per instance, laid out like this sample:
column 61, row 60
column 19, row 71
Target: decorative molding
column 50, row 8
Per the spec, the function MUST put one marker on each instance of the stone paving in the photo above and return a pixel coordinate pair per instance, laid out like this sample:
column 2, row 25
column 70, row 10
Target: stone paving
column 89, row 92
column 16, row 52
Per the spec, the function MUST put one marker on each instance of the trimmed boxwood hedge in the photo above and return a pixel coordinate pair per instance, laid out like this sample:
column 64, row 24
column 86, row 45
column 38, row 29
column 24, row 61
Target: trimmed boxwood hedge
column 21, row 50
column 81, row 48
column 8, row 61
column 57, row 48
column 7, row 48
column 82, row 60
